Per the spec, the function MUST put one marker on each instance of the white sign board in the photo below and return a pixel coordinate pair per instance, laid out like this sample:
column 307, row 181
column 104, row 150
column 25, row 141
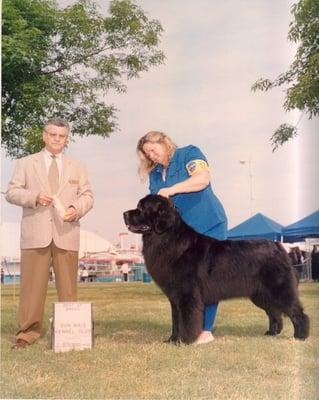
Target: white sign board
column 72, row 326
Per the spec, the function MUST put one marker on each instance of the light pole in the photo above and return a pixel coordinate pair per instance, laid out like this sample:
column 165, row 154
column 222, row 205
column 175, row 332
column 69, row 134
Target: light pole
column 243, row 162
column 121, row 235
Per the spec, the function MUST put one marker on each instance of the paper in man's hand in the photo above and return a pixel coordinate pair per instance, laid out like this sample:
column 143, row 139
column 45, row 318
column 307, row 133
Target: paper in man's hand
column 58, row 206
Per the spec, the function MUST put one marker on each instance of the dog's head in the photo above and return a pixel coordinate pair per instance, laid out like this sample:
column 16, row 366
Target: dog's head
column 154, row 213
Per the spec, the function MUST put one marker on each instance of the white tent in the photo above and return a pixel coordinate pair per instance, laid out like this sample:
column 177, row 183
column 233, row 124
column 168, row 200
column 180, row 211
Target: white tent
column 92, row 243
column 10, row 242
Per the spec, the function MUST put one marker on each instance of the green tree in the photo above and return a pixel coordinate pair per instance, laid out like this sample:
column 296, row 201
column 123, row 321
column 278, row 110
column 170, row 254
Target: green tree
column 63, row 62
column 302, row 78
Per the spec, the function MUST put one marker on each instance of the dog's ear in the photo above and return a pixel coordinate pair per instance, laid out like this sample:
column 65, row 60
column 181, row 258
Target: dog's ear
column 164, row 220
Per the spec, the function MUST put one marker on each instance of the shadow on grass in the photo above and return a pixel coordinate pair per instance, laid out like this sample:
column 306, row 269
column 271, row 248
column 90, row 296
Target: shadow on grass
column 137, row 331
column 146, row 332
column 251, row 330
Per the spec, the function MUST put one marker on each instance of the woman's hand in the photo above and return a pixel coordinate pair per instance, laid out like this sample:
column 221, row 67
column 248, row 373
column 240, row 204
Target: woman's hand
column 166, row 192
column 198, row 181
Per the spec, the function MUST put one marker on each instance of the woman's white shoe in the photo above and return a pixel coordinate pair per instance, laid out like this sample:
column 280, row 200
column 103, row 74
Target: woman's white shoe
column 204, row 337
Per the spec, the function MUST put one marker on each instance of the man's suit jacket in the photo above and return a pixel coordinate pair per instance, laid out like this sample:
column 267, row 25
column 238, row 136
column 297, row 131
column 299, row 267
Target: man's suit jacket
column 41, row 224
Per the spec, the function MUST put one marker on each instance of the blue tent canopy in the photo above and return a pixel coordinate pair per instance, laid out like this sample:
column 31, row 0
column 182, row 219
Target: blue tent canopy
column 307, row 227
column 256, row 227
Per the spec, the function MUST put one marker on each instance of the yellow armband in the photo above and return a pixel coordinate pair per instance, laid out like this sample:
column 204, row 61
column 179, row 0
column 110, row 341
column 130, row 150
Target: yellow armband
column 196, row 165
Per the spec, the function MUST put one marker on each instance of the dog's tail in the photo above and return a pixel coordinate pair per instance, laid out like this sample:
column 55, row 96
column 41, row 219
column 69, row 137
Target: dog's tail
column 301, row 323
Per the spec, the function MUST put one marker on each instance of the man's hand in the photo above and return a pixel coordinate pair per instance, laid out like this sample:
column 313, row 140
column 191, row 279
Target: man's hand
column 70, row 215
column 44, row 199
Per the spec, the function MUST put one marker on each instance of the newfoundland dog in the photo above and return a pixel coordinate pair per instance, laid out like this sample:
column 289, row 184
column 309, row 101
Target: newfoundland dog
column 193, row 270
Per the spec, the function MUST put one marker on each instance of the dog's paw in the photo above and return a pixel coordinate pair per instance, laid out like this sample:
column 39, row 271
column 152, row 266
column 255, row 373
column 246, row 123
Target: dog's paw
column 173, row 340
column 270, row 333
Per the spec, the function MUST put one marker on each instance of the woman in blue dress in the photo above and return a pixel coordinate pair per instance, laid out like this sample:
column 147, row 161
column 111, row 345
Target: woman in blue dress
column 182, row 173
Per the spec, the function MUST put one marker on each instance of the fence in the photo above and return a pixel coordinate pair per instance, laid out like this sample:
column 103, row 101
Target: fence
column 138, row 273
column 304, row 270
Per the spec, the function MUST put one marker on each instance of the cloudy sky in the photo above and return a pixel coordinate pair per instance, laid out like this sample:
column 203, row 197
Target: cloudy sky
column 215, row 51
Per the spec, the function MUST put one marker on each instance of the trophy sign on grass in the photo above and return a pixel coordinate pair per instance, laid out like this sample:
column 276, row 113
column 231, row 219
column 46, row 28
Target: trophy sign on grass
column 72, row 326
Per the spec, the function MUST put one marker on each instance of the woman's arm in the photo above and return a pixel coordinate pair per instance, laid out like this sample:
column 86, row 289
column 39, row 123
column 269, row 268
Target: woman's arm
column 196, row 182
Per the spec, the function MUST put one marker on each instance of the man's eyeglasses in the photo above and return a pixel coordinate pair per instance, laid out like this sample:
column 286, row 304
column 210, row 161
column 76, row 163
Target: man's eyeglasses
column 56, row 135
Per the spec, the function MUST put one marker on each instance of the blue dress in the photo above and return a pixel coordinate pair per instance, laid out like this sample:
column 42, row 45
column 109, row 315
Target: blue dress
column 201, row 210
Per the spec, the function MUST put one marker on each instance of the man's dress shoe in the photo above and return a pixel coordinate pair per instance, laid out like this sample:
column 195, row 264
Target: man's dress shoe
column 20, row 344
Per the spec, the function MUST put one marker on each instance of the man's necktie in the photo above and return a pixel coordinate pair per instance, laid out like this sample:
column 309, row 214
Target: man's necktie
column 54, row 175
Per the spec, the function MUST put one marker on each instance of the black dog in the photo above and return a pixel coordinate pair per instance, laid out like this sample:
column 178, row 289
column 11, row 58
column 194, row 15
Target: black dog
column 194, row 270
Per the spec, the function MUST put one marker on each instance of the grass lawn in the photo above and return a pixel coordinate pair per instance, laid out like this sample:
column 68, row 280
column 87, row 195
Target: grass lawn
column 130, row 361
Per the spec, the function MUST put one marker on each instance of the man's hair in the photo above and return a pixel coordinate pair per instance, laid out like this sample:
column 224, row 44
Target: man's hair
column 57, row 122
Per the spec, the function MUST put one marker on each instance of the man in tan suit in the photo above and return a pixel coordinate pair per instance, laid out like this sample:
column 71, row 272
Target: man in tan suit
column 54, row 193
